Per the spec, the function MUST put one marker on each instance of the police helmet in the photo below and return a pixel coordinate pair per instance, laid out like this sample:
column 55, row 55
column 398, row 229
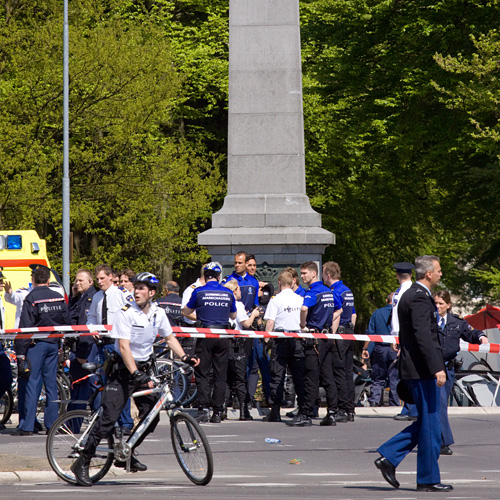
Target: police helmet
column 212, row 270
column 148, row 279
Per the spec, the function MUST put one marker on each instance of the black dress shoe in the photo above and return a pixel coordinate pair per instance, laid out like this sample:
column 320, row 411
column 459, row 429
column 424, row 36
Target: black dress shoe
column 19, row 432
column 400, row 416
column 436, row 488
column 135, row 465
column 388, row 471
column 300, row 421
column 328, row 421
column 446, row 450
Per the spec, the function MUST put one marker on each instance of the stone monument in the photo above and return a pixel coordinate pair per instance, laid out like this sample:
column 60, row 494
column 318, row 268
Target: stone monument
column 266, row 211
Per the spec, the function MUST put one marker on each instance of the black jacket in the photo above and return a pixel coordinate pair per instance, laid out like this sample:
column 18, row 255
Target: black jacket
column 455, row 329
column 78, row 308
column 421, row 356
column 42, row 307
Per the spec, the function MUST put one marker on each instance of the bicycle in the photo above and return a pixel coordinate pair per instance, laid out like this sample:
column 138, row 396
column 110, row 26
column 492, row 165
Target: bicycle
column 68, row 435
column 181, row 379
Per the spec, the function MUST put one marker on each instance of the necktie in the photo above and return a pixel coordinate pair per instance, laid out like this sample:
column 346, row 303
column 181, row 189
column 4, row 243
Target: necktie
column 104, row 313
column 441, row 323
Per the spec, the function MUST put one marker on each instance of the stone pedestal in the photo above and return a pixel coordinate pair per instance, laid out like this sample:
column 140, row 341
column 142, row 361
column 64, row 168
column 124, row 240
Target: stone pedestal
column 266, row 211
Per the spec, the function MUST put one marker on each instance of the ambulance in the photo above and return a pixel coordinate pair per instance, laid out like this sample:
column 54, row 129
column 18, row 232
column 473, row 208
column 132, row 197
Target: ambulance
column 19, row 249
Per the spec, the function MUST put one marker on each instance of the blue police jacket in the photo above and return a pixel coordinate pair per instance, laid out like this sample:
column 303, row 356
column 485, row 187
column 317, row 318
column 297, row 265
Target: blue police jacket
column 249, row 289
column 378, row 322
column 172, row 304
column 455, row 329
column 213, row 304
column 321, row 302
column 347, row 301
column 300, row 291
column 42, row 307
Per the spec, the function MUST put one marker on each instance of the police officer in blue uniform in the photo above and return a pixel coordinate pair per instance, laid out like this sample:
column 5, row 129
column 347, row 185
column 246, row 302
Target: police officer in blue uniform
column 383, row 357
column 38, row 359
column 214, row 305
column 320, row 312
column 422, row 370
column 343, row 352
column 452, row 328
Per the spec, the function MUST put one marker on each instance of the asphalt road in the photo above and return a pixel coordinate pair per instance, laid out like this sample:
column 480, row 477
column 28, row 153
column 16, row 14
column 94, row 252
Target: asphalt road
column 335, row 463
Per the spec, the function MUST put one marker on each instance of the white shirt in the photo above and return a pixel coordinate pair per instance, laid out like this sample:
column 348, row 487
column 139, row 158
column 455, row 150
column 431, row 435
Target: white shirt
column 395, row 301
column 284, row 310
column 116, row 298
column 140, row 329
column 241, row 315
column 2, row 316
column 187, row 295
column 17, row 299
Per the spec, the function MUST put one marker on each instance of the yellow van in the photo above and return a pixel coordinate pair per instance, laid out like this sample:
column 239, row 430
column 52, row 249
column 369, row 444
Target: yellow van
column 19, row 249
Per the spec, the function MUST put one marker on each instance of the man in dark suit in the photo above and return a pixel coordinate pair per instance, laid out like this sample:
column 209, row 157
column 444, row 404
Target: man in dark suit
column 422, row 369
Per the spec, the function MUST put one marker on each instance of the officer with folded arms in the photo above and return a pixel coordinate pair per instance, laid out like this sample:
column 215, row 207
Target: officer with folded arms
column 214, row 305
column 135, row 329
column 320, row 312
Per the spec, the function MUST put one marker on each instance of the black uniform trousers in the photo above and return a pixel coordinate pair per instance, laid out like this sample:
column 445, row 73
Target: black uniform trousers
column 318, row 372
column 115, row 396
column 213, row 355
column 343, row 373
column 239, row 352
column 289, row 352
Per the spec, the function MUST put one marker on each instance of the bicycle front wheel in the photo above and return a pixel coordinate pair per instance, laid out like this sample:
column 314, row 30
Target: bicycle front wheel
column 191, row 448
column 65, row 441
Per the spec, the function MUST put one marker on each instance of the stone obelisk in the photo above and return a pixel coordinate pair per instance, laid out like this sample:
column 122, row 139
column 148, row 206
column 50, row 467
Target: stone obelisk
column 266, row 211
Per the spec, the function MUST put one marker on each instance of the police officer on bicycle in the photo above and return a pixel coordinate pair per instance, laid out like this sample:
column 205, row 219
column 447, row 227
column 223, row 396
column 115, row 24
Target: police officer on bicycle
column 135, row 329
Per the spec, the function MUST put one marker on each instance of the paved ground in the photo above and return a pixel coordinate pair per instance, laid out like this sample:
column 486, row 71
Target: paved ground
column 336, row 463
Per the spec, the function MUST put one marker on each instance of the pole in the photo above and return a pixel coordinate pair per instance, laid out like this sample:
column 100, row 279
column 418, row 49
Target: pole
column 66, row 188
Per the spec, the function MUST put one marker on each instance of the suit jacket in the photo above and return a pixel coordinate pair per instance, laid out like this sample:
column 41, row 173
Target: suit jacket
column 421, row 356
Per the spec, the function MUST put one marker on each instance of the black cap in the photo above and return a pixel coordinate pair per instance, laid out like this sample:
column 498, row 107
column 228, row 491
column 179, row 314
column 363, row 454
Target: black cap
column 34, row 267
column 403, row 267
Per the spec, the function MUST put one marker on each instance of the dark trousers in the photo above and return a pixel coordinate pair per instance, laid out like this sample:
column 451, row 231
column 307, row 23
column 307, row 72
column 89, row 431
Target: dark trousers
column 289, row 353
column 239, row 351
column 43, row 357
column 341, row 359
column 213, row 354
column 318, row 372
column 384, row 368
column 115, row 396
column 447, row 435
column 425, row 432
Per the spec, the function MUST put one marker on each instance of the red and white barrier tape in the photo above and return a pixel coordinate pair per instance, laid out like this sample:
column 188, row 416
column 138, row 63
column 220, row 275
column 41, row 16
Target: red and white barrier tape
column 214, row 333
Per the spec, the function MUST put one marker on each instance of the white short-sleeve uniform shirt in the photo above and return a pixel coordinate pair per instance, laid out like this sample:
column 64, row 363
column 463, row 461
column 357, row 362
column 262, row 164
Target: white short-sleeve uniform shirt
column 284, row 310
column 140, row 329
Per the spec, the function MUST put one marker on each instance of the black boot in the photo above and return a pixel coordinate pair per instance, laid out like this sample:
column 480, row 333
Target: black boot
column 80, row 469
column 245, row 413
column 274, row 415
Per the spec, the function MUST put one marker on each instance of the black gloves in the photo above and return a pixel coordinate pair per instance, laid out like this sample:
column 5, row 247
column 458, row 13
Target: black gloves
column 23, row 368
column 140, row 378
column 190, row 360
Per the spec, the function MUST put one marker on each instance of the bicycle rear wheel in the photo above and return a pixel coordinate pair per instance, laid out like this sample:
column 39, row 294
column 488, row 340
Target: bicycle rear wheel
column 177, row 380
column 6, row 406
column 191, row 448
column 66, row 440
